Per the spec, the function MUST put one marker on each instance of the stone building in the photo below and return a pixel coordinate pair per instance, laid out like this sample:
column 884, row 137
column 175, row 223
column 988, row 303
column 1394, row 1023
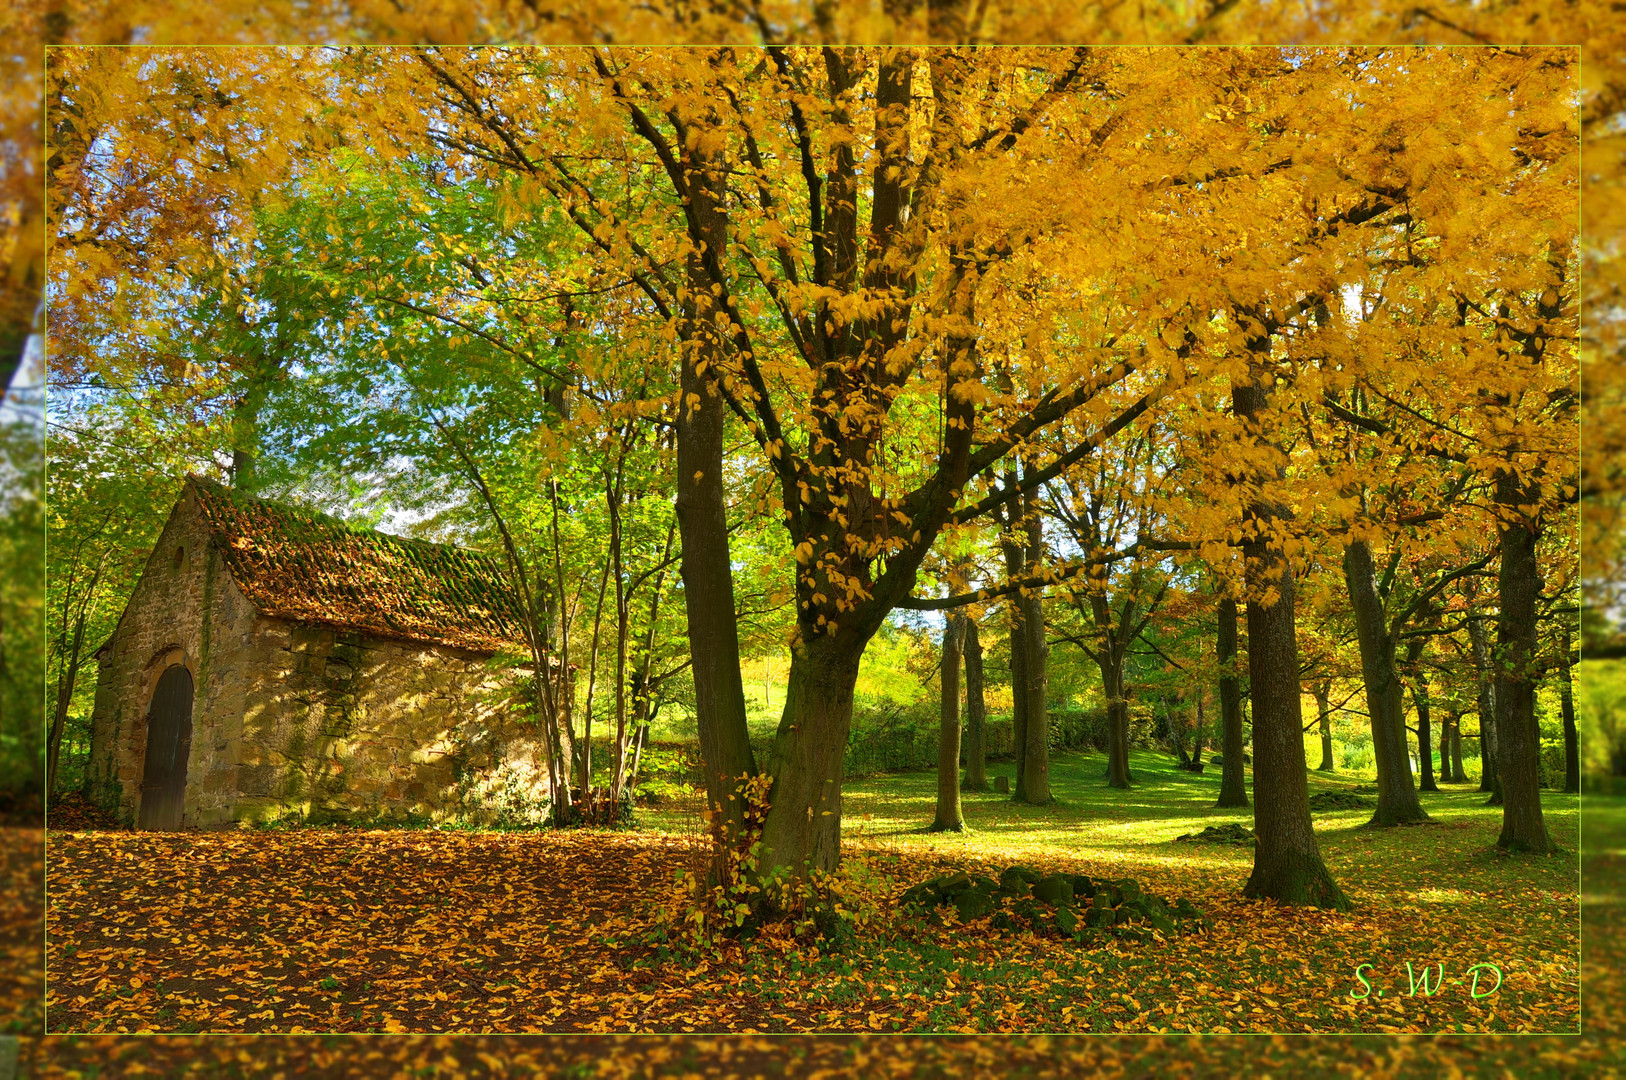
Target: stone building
column 275, row 663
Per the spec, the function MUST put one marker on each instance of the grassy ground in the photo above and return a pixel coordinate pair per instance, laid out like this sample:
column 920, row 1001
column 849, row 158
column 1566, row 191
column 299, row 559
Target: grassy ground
column 1603, row 915
column 375, row 930
column 1426, row 896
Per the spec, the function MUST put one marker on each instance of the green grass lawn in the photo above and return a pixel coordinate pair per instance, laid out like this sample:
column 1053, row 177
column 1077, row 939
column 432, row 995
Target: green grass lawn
column 1134, row 829
column 1603, row 913
column 1424, row 895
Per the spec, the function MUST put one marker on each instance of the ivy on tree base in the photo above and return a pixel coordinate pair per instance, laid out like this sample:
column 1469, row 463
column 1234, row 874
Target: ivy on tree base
column 1297, row 881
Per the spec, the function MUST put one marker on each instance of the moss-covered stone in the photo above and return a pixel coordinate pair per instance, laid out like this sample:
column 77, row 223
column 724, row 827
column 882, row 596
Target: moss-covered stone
column 1229, row 833
column 1339, row 800
column 1055, row 889
column 1100, row 916
column 973, row 904
column 1015, row 886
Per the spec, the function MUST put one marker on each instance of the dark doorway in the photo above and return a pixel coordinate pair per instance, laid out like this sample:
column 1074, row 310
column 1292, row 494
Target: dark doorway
column 169, row 741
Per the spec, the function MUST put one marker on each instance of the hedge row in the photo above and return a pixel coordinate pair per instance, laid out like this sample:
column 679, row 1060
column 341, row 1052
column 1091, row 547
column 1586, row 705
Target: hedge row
column 887, row 739
column 891, row 738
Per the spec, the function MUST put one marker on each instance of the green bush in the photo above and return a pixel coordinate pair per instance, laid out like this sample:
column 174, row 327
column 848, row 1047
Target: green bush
column 887, row 737
column 1355, row 757
column 884, row 737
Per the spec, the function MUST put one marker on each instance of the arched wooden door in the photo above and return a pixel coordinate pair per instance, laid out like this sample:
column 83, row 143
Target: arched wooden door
column 169, row 742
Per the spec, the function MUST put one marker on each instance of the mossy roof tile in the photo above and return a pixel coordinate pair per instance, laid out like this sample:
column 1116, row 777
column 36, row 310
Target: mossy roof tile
column 305, row 566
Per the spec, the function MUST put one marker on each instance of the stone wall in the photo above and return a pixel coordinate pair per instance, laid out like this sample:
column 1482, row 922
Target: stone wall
column 340, row 727
column 301, row 722
column 184, row 610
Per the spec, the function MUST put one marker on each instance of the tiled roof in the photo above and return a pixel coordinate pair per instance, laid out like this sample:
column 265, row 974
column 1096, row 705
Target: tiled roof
column 312, row 568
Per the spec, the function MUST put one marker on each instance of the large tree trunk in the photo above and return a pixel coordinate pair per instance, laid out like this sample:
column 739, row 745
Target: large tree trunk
column 1519, row 757
column 708, row 581
column 1033, row 787
column 1287, row 864
column 1110, row 660
column 802, row 830
column 1572, row 741
column 976, row 744
column 949, row 816
column 1397, row 795
column 1112, row 687
column 1323, row 705
column 1488, row 779
column 1233, row 783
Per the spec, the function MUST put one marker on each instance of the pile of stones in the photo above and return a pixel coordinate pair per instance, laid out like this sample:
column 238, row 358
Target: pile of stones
column 1055, row 905
column 1231, row 833
column 1339, row 800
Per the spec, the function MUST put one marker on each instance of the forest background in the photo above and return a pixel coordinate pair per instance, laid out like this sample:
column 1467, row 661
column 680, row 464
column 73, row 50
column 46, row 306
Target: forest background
column 1599, row 345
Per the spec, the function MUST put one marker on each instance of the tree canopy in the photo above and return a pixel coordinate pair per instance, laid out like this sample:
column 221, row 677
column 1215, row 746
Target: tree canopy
column 855, row 313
